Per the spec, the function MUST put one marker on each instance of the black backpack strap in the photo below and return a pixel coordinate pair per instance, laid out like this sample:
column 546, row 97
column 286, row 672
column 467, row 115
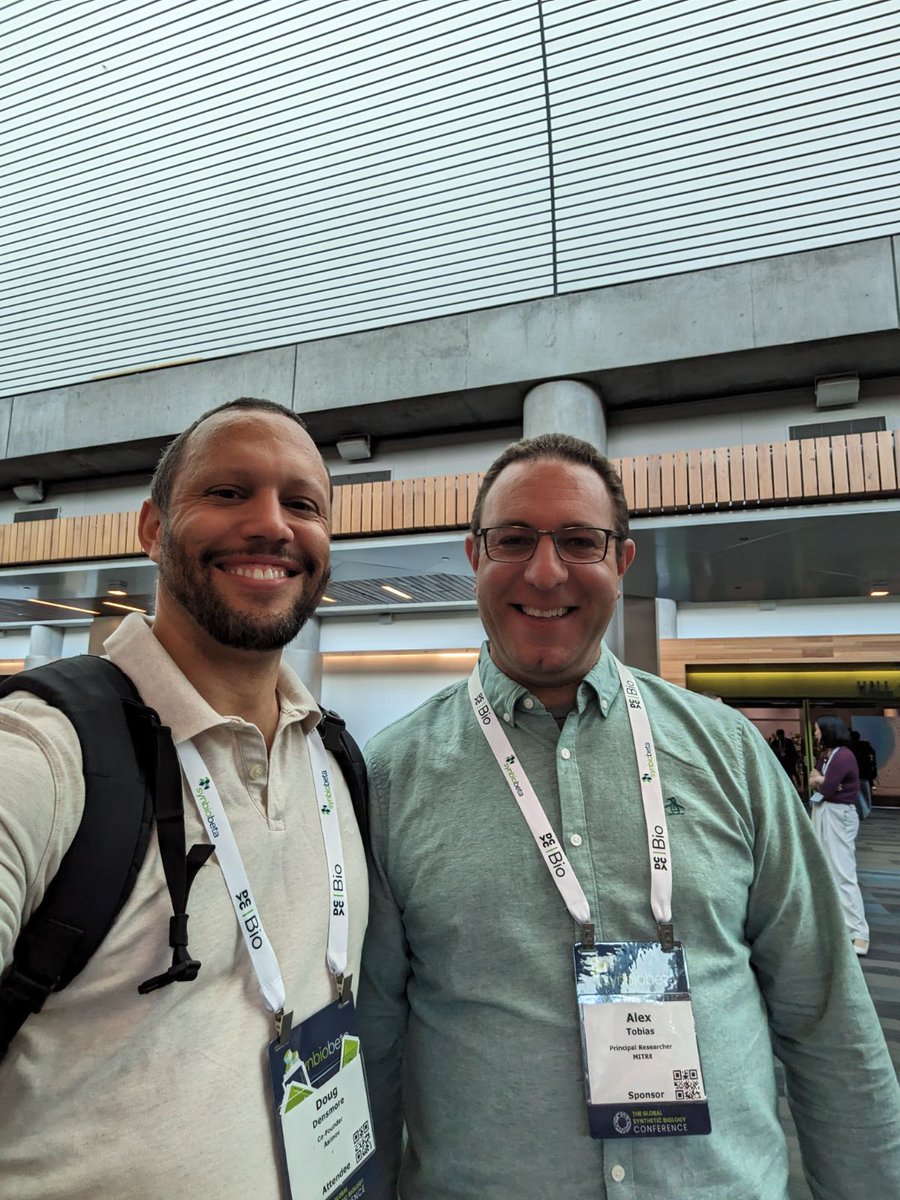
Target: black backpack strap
column 120, row 740
column 333, row 730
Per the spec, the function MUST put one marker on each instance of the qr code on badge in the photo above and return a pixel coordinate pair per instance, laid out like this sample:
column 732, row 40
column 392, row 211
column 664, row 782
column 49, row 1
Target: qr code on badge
column 362, row 1142
column 687, row 1085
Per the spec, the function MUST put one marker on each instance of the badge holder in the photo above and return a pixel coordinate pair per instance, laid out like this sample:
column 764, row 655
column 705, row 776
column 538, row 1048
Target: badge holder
column 322, row 1106
column 642, row 1062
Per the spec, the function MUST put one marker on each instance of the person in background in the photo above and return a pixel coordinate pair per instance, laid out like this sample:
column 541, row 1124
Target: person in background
column 835, row 779
column 786, row 752
column 864, row 753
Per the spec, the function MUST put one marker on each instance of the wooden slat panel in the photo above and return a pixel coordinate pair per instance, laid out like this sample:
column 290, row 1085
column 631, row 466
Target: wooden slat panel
column 723, row 476
column 764, row 472
column 355, row 506
column 654, row 483
column 779, row 471
column 440, row 504
column 823, row 466
column 708, row 477
column 736, row 474
column 337, row 511
column 695, row 479
column 418, row 503
column 870, row 462
column 667, row 480
column 794, row 470
column 840, row 476
column 407, row 517
column 109, row 547
column 5, row 534
column 626, row 473
column 377, row 500
column 681, row 479
column 749, row 464
column 450, row 501
column 640, row 484
column 855, row 473
column 365, row 523
column 22, row 543
column 474, row 482
column 896, row 437
column 132, row 537
column 809, row 479
column 886, row 467
column 428, row 518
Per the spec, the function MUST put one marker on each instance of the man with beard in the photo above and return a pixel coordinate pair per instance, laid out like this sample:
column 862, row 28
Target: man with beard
column 106, row 1092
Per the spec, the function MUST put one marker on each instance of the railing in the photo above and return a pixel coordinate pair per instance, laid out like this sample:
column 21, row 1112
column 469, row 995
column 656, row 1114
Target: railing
column 856, row 466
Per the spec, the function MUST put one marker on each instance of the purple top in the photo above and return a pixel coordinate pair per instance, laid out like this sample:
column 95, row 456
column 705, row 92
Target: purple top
column 841, row 784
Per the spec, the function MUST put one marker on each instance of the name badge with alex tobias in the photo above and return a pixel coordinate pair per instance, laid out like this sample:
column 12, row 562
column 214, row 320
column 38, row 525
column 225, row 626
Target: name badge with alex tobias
column 643, row 1073
column 322, row 1108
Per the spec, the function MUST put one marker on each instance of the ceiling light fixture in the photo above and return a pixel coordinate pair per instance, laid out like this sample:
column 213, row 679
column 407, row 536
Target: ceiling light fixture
column 127, row 607
column 879, row 589
column 29, row 493
column 357, row 448
column 386, row 587
column 118, row 587
column 328, row 600
column 92, row 612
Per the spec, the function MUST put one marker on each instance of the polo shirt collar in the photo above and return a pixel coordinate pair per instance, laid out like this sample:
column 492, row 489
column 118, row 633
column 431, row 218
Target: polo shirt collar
column 166, row 689
column 507, row 698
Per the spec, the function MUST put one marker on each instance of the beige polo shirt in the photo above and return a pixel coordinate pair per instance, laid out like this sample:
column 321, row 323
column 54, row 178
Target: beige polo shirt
column 107, row 1093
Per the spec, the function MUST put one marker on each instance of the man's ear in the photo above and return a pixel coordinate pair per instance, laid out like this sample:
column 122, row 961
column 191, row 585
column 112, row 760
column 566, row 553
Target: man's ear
column 473, row 547
column 626, row 558
column 150, row 529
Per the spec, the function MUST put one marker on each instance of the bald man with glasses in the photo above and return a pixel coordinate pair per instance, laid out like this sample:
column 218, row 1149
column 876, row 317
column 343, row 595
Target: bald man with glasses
column 597, row 906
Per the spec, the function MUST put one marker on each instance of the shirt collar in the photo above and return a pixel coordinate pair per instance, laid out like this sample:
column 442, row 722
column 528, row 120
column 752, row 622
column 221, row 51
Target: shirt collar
column 166, row 689
column 598, row 689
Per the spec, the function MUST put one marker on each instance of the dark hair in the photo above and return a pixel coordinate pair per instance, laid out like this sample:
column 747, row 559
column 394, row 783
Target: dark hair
column 167, row 468
column 832, row 732
column 564, row 448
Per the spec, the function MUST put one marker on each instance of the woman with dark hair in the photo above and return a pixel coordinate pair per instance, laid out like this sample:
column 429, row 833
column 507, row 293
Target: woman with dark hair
column 835, row 778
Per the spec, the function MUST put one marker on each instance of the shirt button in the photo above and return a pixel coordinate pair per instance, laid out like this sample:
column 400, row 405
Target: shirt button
column 529, row 703
column 507, row 718
column 575, row 839
column 603, row 706
column 257, row 771
column 565, row 754
column 618, row 1173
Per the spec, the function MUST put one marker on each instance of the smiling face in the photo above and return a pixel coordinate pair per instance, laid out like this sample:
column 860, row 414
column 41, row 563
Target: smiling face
column 545, row 618
column 243, row 548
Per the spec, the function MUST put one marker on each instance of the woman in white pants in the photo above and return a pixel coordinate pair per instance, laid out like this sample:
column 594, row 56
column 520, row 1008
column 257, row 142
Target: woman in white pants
column 835, row 779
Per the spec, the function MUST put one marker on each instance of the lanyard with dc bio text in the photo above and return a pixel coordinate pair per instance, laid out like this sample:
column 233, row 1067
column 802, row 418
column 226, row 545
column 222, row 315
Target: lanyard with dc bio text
column 215, row 820
column 542, row 831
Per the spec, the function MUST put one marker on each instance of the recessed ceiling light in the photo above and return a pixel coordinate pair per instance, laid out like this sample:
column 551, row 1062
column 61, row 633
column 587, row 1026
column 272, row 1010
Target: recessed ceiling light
column 879, row 589
column 329, row 600
column 117, row 588
column 127, row 607
column 386, row 587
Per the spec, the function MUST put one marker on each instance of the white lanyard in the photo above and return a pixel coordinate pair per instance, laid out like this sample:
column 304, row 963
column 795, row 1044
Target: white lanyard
column 541, row 830
column 218, row 827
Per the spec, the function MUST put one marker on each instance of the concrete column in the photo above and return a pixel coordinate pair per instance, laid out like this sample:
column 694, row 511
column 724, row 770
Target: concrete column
column 647, row 619
column 101, row 629
column 565, row 406
column 302, row 656
column 45, row 644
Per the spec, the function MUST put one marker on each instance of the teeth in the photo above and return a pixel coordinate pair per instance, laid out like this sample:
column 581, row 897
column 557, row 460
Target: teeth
column 543, row 612
column 257, row 572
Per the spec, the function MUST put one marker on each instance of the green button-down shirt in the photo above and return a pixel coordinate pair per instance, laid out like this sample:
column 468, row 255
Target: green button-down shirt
column 467, row 1001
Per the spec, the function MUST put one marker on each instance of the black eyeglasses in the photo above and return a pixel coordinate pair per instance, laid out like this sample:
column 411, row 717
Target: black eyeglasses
column 576, row 544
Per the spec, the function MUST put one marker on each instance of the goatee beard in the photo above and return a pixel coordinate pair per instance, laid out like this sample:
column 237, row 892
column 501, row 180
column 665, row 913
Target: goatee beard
column 189, row 584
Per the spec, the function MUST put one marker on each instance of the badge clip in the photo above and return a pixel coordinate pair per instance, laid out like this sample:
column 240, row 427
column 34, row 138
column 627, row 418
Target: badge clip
column 343, row 985
column 283, row 1023
column 666, row 932
column 587, row 936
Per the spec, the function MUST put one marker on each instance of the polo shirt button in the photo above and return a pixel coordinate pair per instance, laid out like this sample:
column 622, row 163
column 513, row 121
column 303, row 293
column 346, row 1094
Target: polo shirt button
column 575, row 839
column 507, row 718
column 529, row 703
column 603, row 705
column 565, row 754
column 257, row 771
column 618, row 1173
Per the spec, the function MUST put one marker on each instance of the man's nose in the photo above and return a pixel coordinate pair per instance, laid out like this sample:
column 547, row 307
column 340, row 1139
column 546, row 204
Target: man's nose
column 264, row 516
column 545, row 569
